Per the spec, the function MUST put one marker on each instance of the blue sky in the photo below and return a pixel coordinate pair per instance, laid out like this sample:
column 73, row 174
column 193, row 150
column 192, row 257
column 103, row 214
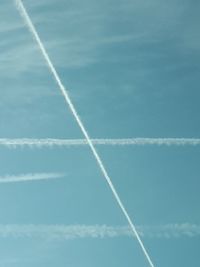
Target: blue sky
column 132, row 70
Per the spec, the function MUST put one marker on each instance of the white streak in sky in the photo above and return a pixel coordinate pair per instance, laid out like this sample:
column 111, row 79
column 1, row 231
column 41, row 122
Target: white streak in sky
column 67, row 232
column 30, row 177
column 49, row 142
column 69, row 103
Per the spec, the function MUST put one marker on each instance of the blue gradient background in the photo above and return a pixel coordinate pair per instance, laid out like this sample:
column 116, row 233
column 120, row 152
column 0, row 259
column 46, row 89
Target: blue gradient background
column 132, row 70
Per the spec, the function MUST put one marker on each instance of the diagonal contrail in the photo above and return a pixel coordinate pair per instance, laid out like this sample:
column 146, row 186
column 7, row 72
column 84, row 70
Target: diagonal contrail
column 49, row 142
column 61, row 87
column 29, row 177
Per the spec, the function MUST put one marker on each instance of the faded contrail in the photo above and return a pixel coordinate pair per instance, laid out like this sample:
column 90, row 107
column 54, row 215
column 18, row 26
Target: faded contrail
column 67, row 232
column 61, row 87
column 49, row 142
column 30, row 177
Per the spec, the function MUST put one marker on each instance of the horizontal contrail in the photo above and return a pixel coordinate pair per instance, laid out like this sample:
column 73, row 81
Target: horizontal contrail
column 30, row 177
column 49, row 142
column 67, row 232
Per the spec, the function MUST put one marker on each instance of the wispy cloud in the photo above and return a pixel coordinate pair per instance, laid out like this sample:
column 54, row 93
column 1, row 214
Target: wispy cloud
column 67, row 232
column 80, row 48
column 84, row 44
column 30, row 177
column 50, row 142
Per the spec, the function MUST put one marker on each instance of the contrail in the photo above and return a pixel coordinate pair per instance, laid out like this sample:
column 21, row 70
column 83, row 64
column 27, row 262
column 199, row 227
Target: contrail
column 61, row 87
column 30, row 177
column 50, row 142
column 70, row 232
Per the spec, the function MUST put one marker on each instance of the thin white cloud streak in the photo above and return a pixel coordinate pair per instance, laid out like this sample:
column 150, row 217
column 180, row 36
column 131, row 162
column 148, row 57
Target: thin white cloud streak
column 30, row 177
column 50, row 142
column 68, row 232
column 72, row 108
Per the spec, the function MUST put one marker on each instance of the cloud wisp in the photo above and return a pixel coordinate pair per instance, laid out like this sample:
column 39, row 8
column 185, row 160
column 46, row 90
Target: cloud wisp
column 72, row 108
column 70, row 232
column 30, row 177
column 51, row 142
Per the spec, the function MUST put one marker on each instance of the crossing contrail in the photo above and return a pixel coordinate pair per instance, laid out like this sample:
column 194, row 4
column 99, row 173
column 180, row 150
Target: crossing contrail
column 68, row 232
column 29, row 177
column 50, row 142
column 69, row 103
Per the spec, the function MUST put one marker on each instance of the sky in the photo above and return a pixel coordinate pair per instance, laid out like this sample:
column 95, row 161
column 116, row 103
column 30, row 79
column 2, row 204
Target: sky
column 131, row 68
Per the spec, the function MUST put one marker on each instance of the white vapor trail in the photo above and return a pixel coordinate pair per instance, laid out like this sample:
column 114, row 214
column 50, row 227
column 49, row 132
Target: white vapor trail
column 49, row 142
column 67, row 232
column 68, row 101
column 30, row 177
